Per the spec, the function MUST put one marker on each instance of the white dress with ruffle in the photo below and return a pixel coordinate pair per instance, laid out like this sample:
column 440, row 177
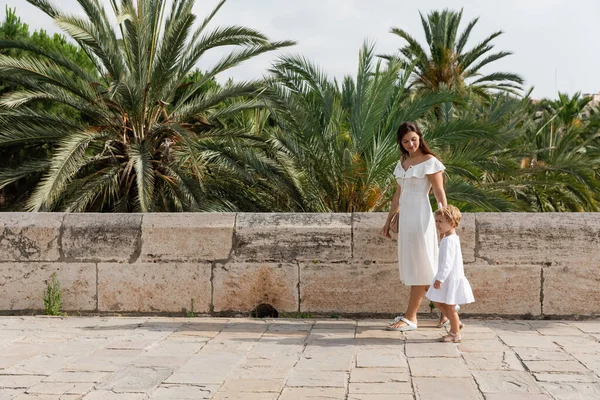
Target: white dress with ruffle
column 455, row 287
column 417, row 238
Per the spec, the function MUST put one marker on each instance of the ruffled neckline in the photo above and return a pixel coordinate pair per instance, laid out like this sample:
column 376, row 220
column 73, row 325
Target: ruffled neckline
column 427, row 167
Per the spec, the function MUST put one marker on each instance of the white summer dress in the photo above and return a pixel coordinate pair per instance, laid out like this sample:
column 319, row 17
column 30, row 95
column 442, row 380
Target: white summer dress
column 451, row 272
column 417, row 237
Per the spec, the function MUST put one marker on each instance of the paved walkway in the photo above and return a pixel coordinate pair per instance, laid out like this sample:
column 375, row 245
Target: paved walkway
column 286, row 359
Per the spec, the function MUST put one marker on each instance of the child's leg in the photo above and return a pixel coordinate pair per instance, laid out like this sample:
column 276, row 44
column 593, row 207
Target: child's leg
column 453, row 317
column 442, row 308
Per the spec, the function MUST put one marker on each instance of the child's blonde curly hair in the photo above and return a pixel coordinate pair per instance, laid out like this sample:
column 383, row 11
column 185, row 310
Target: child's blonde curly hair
column 450, row 213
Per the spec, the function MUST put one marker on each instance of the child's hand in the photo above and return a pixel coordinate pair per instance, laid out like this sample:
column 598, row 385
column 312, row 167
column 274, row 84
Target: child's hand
column 437, row 284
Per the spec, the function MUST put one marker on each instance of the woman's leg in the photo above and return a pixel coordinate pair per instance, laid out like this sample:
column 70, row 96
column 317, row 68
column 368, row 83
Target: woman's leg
column 414, row 301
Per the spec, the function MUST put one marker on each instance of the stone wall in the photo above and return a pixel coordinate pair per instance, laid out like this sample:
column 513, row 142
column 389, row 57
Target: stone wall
column 518, row 264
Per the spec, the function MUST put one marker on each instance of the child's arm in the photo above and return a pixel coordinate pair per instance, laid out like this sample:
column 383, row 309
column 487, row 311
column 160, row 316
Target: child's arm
column 446, row 257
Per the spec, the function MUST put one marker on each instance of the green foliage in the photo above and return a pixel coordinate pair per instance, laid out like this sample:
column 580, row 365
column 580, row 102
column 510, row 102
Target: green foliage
column 445, row 63
column 151, row 133
column 190, row 313
column 53, row 297
column 119, row 119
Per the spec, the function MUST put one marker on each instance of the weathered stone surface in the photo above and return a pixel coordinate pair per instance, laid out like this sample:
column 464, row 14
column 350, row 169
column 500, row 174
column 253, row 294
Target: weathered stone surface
column 555, row 366
column 30, row 236
column 572, row 390
column 311, row 378
column 438, row 367
column 187, row 236
column 77, row 377
column 134, row 379
column 101, row 237
column 243, row 286
column 535, row 238
column 110, row 395
column 563, row 293
column 506, row 382
column 245, row 396
column 183, row 392
column 380, row 396
column 587, row 326
column 556, row 328
column 369, row 244
column 568, row 377
column 23, row 285
column 517, row 396
column 379, row 375
column 253, row 385
column 353, row 288
column 542, row 354
column 467, row 231
column 431, row 349
column 154, row 287
column 381, row 358
column 287, row 237
column 536, row 341
column 493, row 361
column 380, row 388
column 313, row 393
column 445, row 388
column 504, row 290
column 19, row 381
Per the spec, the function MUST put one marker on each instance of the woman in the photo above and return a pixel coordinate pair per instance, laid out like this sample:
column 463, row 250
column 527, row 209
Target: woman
column 417, row 173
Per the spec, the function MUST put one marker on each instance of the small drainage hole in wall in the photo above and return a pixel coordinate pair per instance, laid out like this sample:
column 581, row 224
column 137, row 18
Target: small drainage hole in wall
column 264, row 311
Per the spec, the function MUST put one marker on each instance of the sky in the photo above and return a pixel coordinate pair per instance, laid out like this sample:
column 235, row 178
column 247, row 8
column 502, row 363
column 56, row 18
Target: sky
column 555, row 43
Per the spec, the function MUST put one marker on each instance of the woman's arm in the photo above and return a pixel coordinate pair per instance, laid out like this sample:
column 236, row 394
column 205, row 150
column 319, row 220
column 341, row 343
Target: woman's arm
column 394, row 208
column 437, row 183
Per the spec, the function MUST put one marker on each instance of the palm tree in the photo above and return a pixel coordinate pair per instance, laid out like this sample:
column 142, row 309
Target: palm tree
column 559, row 156
column 147, row 138
column 446, row 63
column 570, row 110
column 341, row 139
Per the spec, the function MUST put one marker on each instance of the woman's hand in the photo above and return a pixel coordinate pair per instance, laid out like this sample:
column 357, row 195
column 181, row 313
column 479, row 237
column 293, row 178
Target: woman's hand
column 385, row 231
column 437, row 284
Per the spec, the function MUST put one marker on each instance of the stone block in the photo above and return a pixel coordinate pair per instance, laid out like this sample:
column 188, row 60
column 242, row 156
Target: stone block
column 379, row 375
column 493, row 361
column 361, row 388
column 289, row 237
column 304, row 393
column 353, row 288
column 30, row 236
column 368, row 243
column 504, row 289
column 573, row 289
column 101, row 237
column 311, row 378
column 467, row 231
column 506, row 382
column 243, row 286
column 23, row 285
column 445, row 388
column 531, row 238
column 555, row 366
column 154, row 287
column 572, row 390
column 135, row 379
column 187, row 236
column 438, row 367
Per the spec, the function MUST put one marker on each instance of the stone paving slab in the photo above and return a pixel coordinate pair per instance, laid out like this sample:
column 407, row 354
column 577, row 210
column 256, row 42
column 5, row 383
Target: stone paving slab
column 161, row 358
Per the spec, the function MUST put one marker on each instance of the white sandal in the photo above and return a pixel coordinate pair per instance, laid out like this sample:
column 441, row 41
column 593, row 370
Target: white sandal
column 410, row 326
